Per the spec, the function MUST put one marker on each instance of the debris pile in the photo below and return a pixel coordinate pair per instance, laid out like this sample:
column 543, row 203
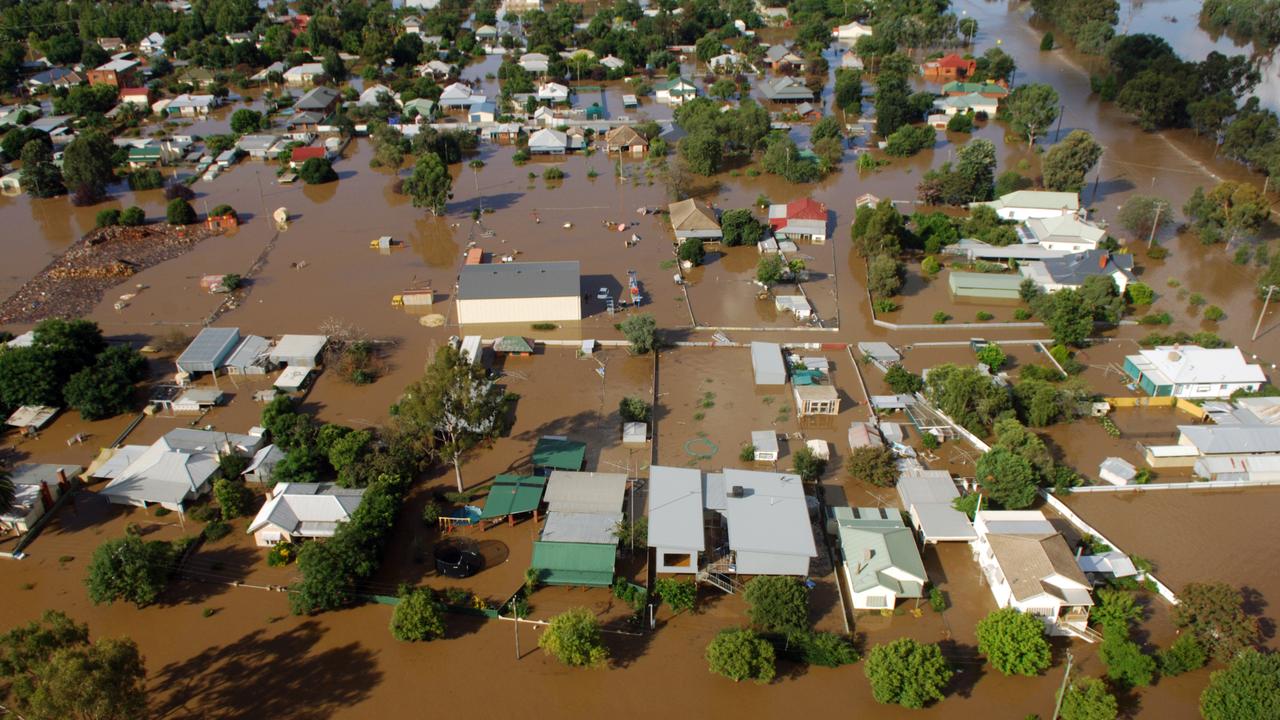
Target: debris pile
column 74, row 283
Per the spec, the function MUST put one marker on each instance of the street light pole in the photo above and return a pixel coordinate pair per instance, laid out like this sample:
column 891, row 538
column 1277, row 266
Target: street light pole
column 1256, row 328
column 1057, row 705
column 1154, row 224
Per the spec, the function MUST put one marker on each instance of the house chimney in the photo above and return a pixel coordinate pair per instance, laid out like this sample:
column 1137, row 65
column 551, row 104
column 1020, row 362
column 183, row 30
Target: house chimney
column 1102, row 261
column 62, row 478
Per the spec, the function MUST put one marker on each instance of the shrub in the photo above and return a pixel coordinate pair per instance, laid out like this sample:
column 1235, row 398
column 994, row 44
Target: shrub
column 691, row 251
column 553, row 173
column 282, row 553
column 1248, row 688
column 520, row 157
column 147, row 179
column 960, row 123
column 931, row 265
column 133, row 216
column 984, row 316
column 573, row 638
column 431, row 513
column 317, row 171
column 907, row 673
column 937, row 599
column 681, row 595
column 1125, row 661
column 543, row 326
column 902, row 380
column 884, row 305
column 1140, row 293
column 1184, row 655
column 807, row 465
column 418, row 617
column 1021, row 314
column 1214, row 313
column 216, row 530
column 740, row 654
column 634, row 409
column 232, row 496
column 875, row 465
column 747, row 453
column 941, row 317
column 131, row 569
column 1088, row 699
column 777, row 603
column 107, row 218
column 824, row 649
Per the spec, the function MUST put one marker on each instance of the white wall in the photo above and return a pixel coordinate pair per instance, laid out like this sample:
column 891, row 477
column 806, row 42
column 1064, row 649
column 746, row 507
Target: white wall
column 1023, row 214
column 758, row 563
column 518, row 310
column 1211, row 390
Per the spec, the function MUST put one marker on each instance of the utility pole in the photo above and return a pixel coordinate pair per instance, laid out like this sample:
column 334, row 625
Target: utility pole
column 1256, row 328
column 1066, row 674
column 515, row 613
column 1154, row 224
column 1058, row 130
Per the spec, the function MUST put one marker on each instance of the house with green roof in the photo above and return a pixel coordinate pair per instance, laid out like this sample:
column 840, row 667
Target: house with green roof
column 577, row 545
column 991, row 90
column 991, row 286
column 145, row 156
column 512, row 495
column 881, row 560
column 675, row 91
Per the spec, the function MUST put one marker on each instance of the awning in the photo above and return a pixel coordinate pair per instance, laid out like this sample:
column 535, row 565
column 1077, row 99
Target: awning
column 574, row 563
column 559, row 454
column 513, row 494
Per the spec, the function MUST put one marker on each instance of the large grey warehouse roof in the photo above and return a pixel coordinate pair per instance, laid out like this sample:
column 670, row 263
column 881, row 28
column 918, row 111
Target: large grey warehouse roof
column 519, row 280
column 209, row 349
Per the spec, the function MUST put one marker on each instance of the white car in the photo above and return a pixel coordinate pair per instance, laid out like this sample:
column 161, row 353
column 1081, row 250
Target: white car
column 603, row 294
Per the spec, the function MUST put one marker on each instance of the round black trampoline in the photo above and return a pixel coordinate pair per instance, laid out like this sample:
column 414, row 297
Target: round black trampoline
column 458, row 560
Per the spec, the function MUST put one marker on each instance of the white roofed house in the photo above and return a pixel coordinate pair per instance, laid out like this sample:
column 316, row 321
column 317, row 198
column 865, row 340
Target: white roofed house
column 152, row 44
column 971, row 103
column 548, row 142
column 1065, row 233
column 303, row 74
column 459, row 95
column 36, row 488
column 536, row 63
column 1022, row 205
column 297, row 511
column 301, row 351
column 675, row 519
column 1029, row 567
column 927, row 495
column 372, row 96
column 552, row 92
column 1190, row 371
column 675, row 91
column 851, row 31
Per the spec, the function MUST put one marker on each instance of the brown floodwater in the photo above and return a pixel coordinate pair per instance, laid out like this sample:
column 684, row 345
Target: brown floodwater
column 320, row 268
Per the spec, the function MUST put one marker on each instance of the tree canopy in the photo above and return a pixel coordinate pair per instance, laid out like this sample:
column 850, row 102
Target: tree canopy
column 1248, row 688
column 1031, row 109
column 1214, row 612
column 907, row 673
column 1014, row 642
column 131, row 569
column 430, row 185
column 573, row 638
column 741, row 654
column 1067, row 163
column 777, row 603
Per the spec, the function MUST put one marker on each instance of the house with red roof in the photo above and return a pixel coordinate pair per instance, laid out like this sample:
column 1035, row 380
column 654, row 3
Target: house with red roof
column 138, row 96
column 804, row 219
column 302, row 154
column 949, row 68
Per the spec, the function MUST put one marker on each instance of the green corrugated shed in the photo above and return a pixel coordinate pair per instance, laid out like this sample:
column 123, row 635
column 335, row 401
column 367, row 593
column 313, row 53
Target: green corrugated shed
column 512, row 344
column 567, row 563
column 144, row 154
column 984, row 285
column 513, row 494
column 559, row 454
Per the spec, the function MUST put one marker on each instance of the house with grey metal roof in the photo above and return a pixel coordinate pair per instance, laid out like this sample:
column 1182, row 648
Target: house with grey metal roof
column 880, row 557
column 548, row 142
column 767, row 364
column 1064, row 233
column 1024, row 205
column 36, row 486
column 1070, row 271
column 1211, row 440
column 519, row 292
column 296, row 511
column 785, row 89
column 767, row 520
column 676, row 530
column 927, row 496
column 984, row 285
column 208, row 350
column 171, row 472
column 1190, row 371
column 317, row 100
column 298, row 350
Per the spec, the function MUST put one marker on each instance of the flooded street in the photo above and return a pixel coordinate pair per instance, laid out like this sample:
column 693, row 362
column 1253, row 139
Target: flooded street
column 249, row 656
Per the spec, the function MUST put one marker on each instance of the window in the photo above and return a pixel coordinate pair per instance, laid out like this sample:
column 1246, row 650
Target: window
column 682, row 560
column 875, row 601
column 1203, row 388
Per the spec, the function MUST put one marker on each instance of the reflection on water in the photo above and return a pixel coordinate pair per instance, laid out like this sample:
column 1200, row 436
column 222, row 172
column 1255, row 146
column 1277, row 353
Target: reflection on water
column 432, row 240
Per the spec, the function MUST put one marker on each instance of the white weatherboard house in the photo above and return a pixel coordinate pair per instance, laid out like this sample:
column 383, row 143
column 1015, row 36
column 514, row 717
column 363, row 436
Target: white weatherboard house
column 755, row 523
column 1023, row 205
column 927, row 495
column 851, row 31
column 519, row 293
column 1190, row 371
column 171, row 472
column 294, row 511
column 1065, row 233
column 881, row 560
column 1029, row 567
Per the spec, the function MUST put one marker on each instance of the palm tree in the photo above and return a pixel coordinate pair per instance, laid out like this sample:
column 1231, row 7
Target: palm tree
column 6, row 492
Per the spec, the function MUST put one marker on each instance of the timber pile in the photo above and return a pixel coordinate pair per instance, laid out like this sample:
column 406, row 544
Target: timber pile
column 74, row 283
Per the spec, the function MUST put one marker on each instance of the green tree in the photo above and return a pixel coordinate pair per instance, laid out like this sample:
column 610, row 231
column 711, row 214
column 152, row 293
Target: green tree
column 641, row 331
column 769, row 269
column 40, row 177
column 1116, row 608
column 1248, row 688
column 419, row 616
column 702, row 152
column 1068, row 162
column 893, row 107
column 232, row 496
column 573, row 638
column 1014, row 642
column 348, row 450
column 179, row 212
column 245, row 121
column 807, row 465
column 1089, row 699
column 1068, row 317
column 1140, row 293
column 884, row 275
column 777, row 603
column 908, row 140
column 992, row 356
column 741, row 654
column 902, row 380
column 1007, row 478
column 907, row 673
column 874, row 464
column 848, row 90
column 98, row 392
column 318, row 171
column 681, row 595
column 740, row 227
column 1126, row 664
column 1214, row 613
column 879, row 229
column 131, row 569
column 87, row 165
column 1032, row 109
column 1155, row 99
column 692, row 251
column 430, row 185
column 634, row 409
column 454, row 407
column 1229, row 210
column 967, row 396
column 50, row 671
column 1183, row 655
